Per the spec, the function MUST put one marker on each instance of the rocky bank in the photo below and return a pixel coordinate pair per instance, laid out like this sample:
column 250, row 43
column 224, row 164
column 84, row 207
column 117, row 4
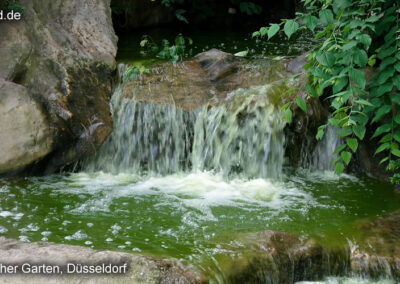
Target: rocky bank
column 55, row 83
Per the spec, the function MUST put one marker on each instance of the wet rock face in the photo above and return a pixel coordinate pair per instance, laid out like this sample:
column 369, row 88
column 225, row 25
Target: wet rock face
column 62, row 56
column 140, row 269
column 279, row 257
column 211, row 76
column 378, row 251
column 25, row 133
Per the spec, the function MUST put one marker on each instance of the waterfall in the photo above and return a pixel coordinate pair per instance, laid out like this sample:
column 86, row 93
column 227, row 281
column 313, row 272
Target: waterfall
column 322, row 156
column 243, row 136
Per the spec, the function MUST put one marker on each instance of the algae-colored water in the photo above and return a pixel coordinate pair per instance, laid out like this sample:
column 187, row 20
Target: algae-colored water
column 187, row 216
column 190, row 213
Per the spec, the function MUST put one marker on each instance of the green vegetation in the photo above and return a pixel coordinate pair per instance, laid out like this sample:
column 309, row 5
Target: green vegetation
column 174, row 53
column 357, row 38
column 11, row 5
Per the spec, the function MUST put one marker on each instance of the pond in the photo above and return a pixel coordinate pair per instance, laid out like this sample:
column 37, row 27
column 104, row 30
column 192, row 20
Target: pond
column 177, row 209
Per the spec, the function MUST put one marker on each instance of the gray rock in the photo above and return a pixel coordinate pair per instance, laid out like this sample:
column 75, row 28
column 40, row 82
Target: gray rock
column 25, row 134
column 280, row 257
column 140, row 269
column 62, row 53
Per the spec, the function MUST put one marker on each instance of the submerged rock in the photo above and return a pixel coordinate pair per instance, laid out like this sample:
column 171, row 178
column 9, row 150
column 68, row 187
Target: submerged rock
column 60, row 58
column 140, row 269
column 377, row 252
column 280, row 257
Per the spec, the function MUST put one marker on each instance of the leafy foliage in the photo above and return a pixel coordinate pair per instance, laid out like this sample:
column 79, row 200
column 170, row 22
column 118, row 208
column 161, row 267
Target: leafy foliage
column 134, row 72
column 11, row 5
column 355, row 36
column 166, row 51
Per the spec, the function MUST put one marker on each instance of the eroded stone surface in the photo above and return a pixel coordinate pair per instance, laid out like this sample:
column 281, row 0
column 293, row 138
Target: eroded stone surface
column 25, row 134
column 141, row 269
column 378, row 251
column 280, row 257
column 62, row 54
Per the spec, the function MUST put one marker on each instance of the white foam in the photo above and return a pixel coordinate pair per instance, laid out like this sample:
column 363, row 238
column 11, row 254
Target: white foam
column 201, row 191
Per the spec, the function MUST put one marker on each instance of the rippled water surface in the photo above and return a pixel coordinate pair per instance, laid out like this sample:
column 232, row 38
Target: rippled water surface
column 185, row 215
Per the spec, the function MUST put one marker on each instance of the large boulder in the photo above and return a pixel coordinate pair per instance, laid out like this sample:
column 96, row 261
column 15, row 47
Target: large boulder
column 25, row 133
column 58, row 61
column 139, row 269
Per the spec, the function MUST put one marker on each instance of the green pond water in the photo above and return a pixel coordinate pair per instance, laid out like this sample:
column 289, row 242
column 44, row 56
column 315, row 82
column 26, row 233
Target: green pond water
column 146, row 201
column 189, row 216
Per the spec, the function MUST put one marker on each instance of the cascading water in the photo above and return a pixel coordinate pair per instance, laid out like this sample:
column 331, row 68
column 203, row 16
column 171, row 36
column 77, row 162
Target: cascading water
column 322, row 157
column 244, row 137
column 194, row 186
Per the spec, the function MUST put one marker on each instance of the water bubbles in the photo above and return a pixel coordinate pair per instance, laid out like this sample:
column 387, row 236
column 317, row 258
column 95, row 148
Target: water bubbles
column 108, row 240
column 29, row 228
column 78, row 236
column 115, row 229
column 24, row 239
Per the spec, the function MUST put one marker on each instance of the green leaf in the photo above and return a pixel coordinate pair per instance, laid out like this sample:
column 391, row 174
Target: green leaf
column 339, row 148
column 372, row 19
column 382, row 147
column 359, row 131
column 382, row 89
column 143, row 43
column 286, row 106
column 382, row 129
column 365, row 40
column 396, row 98
column 263, row 31
column 397, row 119
column 326, row 58
column 385, row 75
column 288, row 115
column 311, row 22
column 340, row 84
column 372, row 61
column 242, row 53
column 346, row 156
column 382, row 111
column 352, row 143
column 358, row 77
column 311, row 91
column 396, row 152
column 302, row 104
column 360, row 57
column 396, row 81
column 341, row 4
column 320, row 133
column 386, row 52
column 273, row 29
column 326, row 16
column 339, row 168
column 345, row 132
column 256, row 34
column 384, row 160
column 349, row 45
column 363, row 102
column 386, row 62
column 290, row 28
column 397, row 66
